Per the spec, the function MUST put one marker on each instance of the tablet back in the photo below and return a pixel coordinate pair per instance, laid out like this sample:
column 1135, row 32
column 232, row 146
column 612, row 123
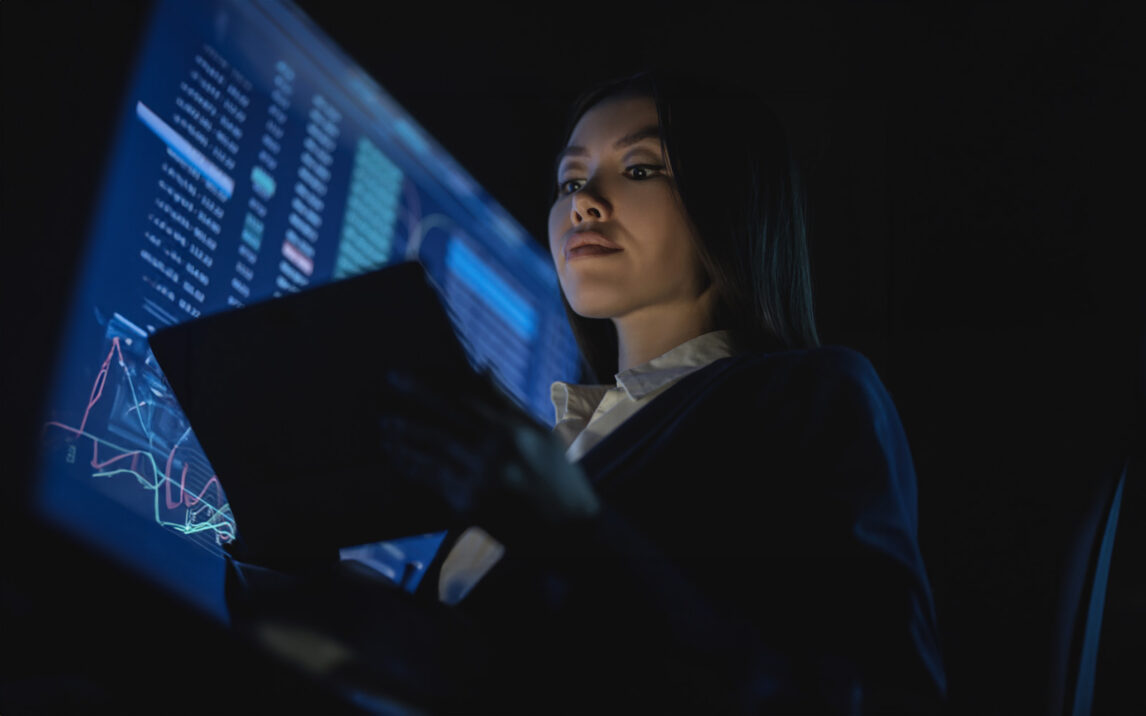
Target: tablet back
column 284, row 397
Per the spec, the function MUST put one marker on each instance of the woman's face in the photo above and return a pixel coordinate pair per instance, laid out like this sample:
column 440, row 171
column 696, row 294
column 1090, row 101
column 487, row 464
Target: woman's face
column 619, row 235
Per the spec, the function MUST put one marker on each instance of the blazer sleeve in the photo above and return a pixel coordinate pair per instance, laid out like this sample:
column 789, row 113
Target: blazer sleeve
column 870, row 595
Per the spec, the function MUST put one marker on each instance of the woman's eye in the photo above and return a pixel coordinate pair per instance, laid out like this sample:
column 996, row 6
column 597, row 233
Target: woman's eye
column 642, row 171
column 638, row 172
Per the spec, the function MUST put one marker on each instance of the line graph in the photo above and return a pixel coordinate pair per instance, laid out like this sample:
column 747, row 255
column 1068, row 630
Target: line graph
column 142, row 445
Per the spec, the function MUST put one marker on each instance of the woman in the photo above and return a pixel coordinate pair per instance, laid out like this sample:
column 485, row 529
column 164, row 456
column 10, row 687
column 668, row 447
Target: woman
column 731, row 525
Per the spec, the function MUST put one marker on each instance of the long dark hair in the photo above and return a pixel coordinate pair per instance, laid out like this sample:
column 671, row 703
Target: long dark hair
column 740, row 187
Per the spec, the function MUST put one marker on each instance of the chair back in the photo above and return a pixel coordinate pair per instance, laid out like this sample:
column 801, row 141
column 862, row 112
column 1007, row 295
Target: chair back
column 1082, row 596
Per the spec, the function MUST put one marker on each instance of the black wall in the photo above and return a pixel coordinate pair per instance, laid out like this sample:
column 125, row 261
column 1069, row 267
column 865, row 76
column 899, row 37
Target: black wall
column 972, row 216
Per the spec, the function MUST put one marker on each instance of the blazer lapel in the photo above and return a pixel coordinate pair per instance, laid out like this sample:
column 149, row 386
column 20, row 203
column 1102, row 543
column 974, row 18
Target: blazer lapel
column 633, row 436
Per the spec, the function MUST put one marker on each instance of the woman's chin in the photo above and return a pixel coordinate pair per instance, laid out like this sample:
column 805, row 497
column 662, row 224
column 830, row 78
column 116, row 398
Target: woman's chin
column 590, row 309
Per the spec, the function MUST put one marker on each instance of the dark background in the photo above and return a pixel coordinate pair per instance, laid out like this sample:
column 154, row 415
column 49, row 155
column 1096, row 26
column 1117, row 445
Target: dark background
column 973, row 232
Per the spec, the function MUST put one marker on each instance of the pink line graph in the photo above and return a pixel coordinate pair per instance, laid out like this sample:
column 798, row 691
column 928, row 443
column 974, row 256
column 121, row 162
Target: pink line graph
column 172, row 500
column 185, row 498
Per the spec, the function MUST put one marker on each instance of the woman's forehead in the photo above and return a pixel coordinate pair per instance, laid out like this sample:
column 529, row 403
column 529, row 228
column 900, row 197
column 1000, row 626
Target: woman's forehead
column 613, row 119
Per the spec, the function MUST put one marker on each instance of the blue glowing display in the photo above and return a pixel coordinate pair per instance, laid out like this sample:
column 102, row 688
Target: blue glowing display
column 254, row 159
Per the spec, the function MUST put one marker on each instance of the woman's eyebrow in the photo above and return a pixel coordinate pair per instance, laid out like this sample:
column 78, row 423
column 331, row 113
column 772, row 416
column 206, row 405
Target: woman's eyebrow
column 649, row 132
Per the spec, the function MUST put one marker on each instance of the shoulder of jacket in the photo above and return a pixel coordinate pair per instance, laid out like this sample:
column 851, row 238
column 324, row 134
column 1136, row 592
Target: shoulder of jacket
column 832, row 360
column 824, row 370
column 840, row 361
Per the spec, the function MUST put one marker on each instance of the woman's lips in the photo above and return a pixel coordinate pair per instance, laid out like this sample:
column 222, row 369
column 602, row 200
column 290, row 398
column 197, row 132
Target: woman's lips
column 589, row 242
column 590, row 250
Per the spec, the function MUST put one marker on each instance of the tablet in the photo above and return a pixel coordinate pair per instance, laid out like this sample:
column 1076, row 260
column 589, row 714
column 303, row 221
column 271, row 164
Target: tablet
column 285, row 398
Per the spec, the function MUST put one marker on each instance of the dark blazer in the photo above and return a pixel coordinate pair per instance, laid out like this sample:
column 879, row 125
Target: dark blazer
column 756, row 551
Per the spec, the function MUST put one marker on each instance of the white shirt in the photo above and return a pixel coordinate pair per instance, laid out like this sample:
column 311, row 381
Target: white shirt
column 585, row 415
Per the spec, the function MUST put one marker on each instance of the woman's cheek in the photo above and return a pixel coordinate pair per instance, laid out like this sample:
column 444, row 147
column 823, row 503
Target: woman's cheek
column 556, row 229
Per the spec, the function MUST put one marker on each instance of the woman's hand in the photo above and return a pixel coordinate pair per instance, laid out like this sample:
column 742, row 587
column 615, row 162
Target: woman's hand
column 487, row 462
column 541, row 474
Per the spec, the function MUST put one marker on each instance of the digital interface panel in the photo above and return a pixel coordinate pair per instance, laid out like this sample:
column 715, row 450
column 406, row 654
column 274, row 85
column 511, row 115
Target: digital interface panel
column 254, row 159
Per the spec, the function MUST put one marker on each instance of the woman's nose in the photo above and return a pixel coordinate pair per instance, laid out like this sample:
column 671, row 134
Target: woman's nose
column 588, row 205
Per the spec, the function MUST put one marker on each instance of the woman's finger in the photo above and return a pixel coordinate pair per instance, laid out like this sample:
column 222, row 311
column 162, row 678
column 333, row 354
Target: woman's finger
column 429, row 468
column 409, row 394
column 560, row 488
column 442, row 461
column 458, row 455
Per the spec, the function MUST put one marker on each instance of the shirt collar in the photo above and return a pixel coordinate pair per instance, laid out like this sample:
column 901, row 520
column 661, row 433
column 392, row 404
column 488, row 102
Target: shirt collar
column 575, row 401
column 673, row 365
column 571, row 401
